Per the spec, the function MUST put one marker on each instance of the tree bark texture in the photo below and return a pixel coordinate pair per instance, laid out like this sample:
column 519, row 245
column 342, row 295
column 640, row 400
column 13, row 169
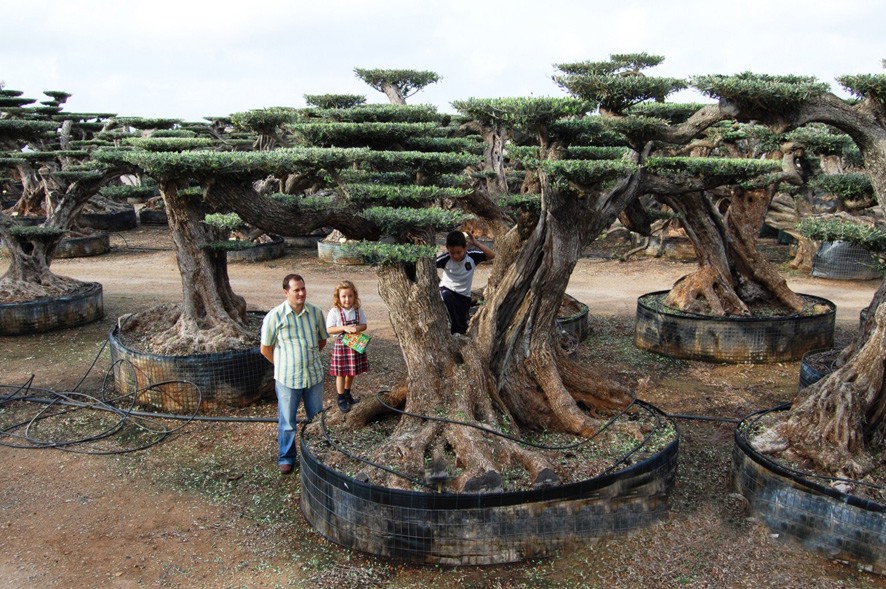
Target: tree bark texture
column 212, row 316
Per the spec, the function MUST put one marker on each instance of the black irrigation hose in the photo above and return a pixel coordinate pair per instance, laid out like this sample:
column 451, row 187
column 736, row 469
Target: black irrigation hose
column 335, row 446
column 65, row 400
column 611, row 467
column 506, row 436
column 703, row 418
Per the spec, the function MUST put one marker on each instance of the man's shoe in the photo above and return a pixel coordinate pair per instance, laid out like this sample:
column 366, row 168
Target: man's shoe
column 351, row 400
column 343, row 404
column 285, row 468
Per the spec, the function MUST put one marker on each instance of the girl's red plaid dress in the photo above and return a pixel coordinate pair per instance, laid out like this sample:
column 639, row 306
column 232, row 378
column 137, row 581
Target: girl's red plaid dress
column 345, row 361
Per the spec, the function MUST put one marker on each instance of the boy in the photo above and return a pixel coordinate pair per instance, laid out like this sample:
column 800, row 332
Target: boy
column 458, row 264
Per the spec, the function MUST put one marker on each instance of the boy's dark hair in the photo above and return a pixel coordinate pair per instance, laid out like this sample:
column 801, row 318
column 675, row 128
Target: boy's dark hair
column 456, row 239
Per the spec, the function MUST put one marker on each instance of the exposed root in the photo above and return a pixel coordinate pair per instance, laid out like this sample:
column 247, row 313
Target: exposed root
column 369, row 408
column 840, row 417
column 545, row 371
column 165, row 330
column 704, row 291
column 593, row 389
column 53, row 285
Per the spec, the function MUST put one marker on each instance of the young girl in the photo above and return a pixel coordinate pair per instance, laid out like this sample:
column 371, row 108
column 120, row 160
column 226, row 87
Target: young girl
column 345, row 317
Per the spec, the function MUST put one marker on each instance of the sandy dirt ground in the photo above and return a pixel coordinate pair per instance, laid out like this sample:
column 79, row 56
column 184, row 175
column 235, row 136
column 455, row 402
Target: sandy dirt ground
column 70, row 520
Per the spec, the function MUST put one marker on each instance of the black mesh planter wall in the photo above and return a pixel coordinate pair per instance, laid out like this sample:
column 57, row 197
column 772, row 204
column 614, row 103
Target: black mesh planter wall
column 227, row 379
column 731, row 339
column 260, row 252
column 576, row 325
column 153, row 217
column 120, row 220
column 840, row 260
column 488, row 528
column 83, row 247
column 815, row 365
column 27, row 317
column 839, row 525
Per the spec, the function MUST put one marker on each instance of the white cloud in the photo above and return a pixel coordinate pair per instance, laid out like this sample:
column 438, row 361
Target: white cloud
column 188, row 59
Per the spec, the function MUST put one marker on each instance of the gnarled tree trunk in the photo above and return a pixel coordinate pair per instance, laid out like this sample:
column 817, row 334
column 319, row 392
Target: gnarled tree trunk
column 732, row 273
column 835, row 420
column 28, row 276
column 212, row 317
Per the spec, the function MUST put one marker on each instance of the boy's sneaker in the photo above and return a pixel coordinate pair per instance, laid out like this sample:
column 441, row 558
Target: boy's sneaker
column 351, row 400
column 343, row 404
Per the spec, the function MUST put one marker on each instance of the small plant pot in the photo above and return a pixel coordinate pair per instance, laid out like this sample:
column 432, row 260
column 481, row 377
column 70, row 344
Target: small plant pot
column 483, row 528
column 170, row 383
column 333, row 253
column 812, row 369
column 692, row 336
column 83, row 247
column 576, row 325
column 840, row 260
column 839, row 525
column 49, row 314
column 260, row 252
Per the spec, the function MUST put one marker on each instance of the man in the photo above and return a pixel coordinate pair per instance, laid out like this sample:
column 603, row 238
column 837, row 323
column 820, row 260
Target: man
column 292, row 336
column 458, row 264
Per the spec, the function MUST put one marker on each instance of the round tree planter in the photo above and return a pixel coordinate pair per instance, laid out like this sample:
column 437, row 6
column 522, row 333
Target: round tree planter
column 153, row 217
column 840, row 260
column 576, row 325
column 228, row 379
column 839, row 525
column 27, row 317
column 812, row 372
column 489, row 528
column 83, row 247
column 114, row 221
column 731, row 339
column 305, row 240
column 332, row 252
column 260, row 251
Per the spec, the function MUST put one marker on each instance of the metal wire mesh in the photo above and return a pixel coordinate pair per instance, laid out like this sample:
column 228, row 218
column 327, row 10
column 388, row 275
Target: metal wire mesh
column 840, row 260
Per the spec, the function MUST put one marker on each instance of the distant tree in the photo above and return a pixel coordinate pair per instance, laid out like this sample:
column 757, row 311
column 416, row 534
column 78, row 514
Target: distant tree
column 397, row 85
column 57, row 177
column 838, row 423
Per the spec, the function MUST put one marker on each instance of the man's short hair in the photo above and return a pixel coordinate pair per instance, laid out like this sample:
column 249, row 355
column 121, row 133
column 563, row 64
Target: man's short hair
column 289, row 278
column 456, row 239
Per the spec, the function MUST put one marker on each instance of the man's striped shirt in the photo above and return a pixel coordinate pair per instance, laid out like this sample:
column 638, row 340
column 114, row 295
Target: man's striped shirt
column 296, row 341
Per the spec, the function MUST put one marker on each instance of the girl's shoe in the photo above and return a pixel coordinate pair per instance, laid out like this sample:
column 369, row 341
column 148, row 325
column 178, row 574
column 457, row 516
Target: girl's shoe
column 343, row 404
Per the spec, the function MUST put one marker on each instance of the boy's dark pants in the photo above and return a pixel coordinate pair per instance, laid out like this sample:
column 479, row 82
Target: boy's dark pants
column 458, row 307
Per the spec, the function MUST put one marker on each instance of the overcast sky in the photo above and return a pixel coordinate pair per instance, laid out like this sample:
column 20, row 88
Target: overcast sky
column 189, row 59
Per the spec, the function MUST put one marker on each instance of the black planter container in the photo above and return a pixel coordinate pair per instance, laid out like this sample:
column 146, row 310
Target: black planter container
column 487, row 528
column 153, row 217
column 228, row 379
column 260, row 251
column 839, row 525
column 576, row 325
column 840, row 260
column 27, row 317
column 809, row 373
column 731, row 339
column 114, row 221
column 83, row 247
